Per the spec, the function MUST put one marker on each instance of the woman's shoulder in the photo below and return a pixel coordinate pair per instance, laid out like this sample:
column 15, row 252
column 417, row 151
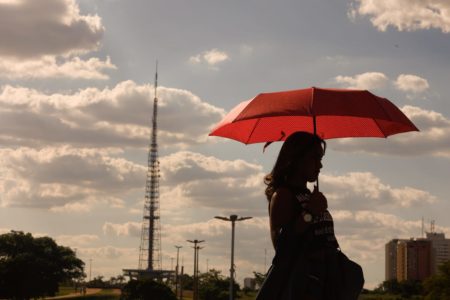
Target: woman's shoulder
column 282, row 199
column 282, row 193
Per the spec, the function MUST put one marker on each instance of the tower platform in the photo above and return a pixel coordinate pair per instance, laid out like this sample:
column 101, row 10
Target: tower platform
column 158, row 275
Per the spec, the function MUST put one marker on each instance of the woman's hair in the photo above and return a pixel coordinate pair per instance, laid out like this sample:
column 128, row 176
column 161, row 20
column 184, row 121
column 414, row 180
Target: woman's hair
column 292, row 151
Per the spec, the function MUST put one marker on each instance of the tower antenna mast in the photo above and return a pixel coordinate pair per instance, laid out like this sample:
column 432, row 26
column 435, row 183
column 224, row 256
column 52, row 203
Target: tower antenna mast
column 150, row 258
column 150, row 249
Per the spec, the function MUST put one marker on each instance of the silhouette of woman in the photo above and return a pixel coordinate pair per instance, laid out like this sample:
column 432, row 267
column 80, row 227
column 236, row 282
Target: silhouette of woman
column 301, row 227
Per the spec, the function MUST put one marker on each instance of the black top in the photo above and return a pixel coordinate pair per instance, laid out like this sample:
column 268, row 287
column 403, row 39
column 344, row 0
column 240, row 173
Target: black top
column 321, row 228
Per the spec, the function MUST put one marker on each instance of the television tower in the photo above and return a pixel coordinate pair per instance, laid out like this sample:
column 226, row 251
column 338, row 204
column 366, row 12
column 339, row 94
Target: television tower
column 150, row 248
column 150, row 258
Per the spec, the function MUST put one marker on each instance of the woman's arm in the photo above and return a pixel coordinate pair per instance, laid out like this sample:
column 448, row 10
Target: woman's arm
column 280, row 212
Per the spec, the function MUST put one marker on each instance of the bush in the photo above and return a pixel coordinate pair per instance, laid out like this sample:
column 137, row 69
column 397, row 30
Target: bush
column 146, row 289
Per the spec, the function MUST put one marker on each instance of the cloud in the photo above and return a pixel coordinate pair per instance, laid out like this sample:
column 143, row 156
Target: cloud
column 194, row 180
column 126, row 229
column 191, row 180
column 433, row 138
column 66, row 179
column 41, row 40
column 364, row 81
column 74, row 241
column 363, row 190
column 116, row 117
column 108, row 253
column 212, row 57
column 411, row 83
column 367, row 227
column 48, row 67
column 420, row 14
column 32, row 29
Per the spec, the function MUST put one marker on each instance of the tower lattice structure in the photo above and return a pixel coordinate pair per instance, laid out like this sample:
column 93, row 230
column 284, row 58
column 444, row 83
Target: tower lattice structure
column 150, row 258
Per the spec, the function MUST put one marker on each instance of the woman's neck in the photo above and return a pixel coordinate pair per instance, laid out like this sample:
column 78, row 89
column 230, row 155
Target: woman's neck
column 298, row 186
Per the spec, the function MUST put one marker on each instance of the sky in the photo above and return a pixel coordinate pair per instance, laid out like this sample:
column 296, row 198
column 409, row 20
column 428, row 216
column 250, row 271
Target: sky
column 76, row 92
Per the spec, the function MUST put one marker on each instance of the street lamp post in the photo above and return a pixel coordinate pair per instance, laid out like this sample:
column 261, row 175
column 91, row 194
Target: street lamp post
column 232, row 219
column 177, row 281
column 90, row 268
column 196, row 248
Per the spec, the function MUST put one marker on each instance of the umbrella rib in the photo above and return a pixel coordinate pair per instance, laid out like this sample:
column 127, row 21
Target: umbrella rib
column 379, row 127
column 253, row 130
column 385, row 112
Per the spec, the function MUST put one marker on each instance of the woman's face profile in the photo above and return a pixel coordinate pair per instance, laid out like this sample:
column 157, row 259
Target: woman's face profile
column 309, row 165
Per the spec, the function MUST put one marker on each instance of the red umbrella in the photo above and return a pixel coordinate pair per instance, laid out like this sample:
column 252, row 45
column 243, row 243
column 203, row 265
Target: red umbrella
column 331, row 113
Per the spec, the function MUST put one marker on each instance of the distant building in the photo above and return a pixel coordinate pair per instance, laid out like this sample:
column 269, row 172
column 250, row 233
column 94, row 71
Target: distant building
column 413, row 259
column 250, row 283
column 391, row 259
column 401, row 261
column 440, row 249
column 416, row 259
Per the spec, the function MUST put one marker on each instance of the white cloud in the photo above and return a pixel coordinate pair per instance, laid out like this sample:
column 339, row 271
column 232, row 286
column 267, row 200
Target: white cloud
column 74, row 241
column 66, row 179
column 364, row 233
column 48, row 67
column 363, row 190
column 190, row 180
column 364, row 81
column 194, row 180
column 32, row 29
column 41, row 39
column 126, row 229
column 108, row 253
column 117, row 117
column 405, row 15
column 411, row 83
column 433, row 138
column 212, row 57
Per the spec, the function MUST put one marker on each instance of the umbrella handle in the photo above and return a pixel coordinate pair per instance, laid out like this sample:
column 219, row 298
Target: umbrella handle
column 315, row 124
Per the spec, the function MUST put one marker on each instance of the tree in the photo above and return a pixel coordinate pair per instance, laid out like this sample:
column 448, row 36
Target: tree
column 33, row 267
column 259, row 278
column 187, row 282
column 97, row 282
column 214, row 286
column 146, row 289
column 438, row 286
column 406, row 288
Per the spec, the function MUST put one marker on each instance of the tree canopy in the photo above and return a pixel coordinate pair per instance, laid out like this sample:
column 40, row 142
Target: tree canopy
column 438, row 286
column 33, row 267
column 146, row 289
column 214, row 286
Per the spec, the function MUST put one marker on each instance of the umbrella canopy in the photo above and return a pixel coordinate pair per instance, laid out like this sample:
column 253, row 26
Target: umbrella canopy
column 330, row 113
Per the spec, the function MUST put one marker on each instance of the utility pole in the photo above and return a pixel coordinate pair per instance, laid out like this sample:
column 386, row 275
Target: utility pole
column 90, row 268
column 177, row 282
column 198, row 252
column 196, row 248
column 265, row 260
column 232, row 219
column 181, row 278
column 181, row 282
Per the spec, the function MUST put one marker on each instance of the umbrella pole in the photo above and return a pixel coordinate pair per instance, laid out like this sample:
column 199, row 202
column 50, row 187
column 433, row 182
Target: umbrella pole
column 315, row 133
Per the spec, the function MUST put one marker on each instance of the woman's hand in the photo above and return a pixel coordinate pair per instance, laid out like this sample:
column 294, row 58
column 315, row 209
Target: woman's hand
column 318, row 203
